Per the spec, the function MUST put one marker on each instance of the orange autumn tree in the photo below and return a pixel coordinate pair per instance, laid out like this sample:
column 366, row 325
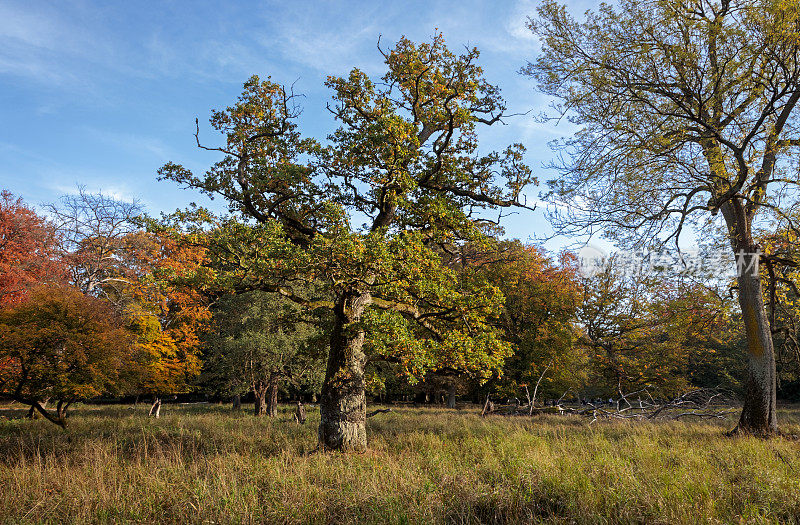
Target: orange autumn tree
column 111, row 256
column 28, row 249
column 168, row 310
column 58, row 344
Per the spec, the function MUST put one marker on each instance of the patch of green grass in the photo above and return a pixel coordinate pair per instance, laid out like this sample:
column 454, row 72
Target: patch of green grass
column 206, row 464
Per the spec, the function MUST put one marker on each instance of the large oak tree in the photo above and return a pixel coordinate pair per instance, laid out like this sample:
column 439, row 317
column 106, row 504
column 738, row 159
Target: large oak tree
column 404, row 163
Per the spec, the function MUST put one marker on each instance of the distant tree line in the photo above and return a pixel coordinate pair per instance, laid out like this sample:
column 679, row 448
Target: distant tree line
column 102, row 307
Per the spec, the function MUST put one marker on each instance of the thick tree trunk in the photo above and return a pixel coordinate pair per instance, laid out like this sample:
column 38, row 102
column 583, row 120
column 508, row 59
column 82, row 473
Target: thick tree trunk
column 758, row 414
column 272, row 398
column 343, row 404
column 260, row 394
column 236, row 402
column 155, row 410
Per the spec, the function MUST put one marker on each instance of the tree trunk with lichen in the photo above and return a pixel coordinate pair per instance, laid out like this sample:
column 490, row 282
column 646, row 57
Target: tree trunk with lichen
column 758, row 413
column 451, row 395
column 343, row 402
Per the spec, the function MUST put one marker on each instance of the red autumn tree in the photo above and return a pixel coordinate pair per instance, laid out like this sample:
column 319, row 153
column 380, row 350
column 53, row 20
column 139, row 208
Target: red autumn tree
column 28, row 249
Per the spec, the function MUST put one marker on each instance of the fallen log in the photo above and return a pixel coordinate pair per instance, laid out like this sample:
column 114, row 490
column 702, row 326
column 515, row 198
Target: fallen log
column 379, row 411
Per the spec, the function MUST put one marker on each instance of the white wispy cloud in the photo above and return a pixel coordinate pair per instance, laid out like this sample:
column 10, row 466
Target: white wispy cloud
column 132, row 143
column 29, row 27
column 331, row 40
column 39, row 43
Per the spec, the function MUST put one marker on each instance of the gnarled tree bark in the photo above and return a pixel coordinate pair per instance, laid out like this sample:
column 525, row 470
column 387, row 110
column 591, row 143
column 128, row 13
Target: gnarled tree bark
column 343, row 402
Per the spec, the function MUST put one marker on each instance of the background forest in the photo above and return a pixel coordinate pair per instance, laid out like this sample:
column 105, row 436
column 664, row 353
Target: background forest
column 156, row 327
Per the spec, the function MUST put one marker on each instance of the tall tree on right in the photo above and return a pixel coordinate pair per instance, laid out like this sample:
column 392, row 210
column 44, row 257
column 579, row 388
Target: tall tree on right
column 686, row 109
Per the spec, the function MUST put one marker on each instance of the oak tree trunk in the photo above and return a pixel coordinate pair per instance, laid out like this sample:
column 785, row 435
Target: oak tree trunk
column 451, row 396
column 343, row 404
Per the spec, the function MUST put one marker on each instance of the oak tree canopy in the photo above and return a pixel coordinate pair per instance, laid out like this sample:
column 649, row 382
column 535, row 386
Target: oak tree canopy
column 369, row 212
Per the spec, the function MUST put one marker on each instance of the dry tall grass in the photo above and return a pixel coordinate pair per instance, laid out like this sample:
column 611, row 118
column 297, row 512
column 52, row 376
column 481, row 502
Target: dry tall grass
column 207, row 465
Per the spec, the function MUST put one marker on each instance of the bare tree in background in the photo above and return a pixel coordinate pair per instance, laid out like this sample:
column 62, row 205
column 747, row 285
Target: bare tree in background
column 98, row 232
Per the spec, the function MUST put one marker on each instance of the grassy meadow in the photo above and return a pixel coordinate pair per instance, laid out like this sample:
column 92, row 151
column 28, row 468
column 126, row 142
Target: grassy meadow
column 206, row 464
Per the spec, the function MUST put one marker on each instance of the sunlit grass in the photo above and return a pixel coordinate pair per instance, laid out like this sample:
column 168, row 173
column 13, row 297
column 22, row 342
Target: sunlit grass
column 207, row 464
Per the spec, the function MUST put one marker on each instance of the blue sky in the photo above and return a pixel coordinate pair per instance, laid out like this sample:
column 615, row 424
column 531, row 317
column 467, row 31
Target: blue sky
column 103, row 93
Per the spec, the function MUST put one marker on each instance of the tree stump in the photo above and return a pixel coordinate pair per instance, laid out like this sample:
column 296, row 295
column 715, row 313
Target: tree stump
column 155, row 410
column 300, row 413
column 488, row 407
